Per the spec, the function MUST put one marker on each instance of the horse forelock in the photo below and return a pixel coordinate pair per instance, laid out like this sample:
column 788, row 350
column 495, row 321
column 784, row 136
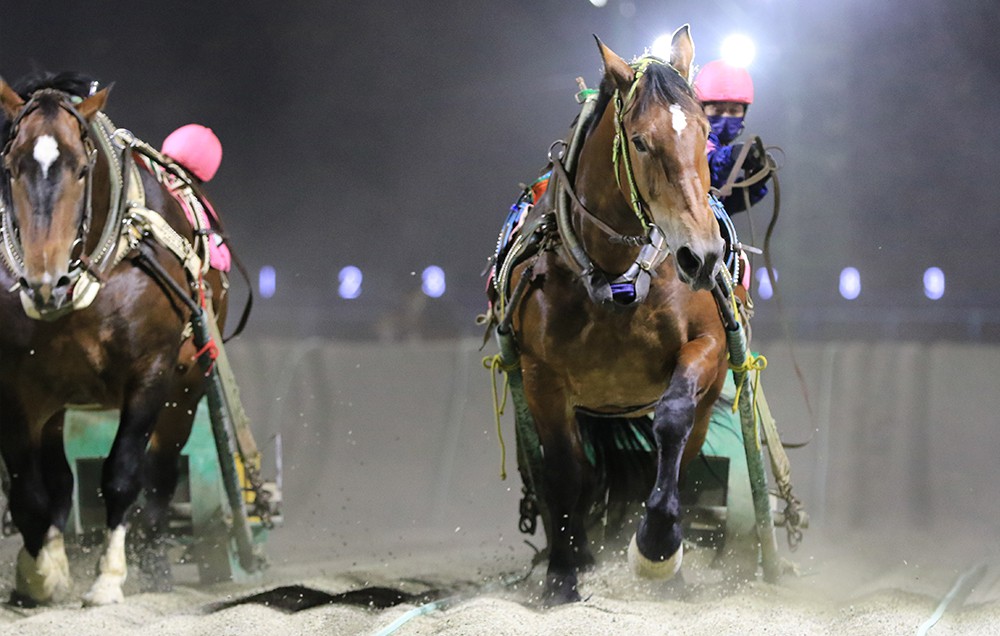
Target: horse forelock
column 661, row 86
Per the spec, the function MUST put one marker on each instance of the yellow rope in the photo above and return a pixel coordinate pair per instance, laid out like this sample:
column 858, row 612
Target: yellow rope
column 495, row 366
column 755, row 363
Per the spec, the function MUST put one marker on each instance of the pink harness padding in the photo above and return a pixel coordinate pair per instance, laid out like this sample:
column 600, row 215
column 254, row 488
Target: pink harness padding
column 218, row 252
column 196, row 209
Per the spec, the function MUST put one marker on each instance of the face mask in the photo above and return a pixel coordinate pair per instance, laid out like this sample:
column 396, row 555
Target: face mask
column 726, row 128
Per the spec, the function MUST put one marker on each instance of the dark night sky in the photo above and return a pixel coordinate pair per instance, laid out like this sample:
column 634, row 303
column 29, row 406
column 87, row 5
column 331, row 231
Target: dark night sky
column 394, row 135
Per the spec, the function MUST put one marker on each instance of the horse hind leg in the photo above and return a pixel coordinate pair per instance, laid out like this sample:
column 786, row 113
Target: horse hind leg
column 563, row 482
column 148, row 539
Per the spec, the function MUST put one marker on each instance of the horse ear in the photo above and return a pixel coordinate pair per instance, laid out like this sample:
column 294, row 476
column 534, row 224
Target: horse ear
column 615, row 68
column 10, row 100
column 89, row 107
column 682, row 51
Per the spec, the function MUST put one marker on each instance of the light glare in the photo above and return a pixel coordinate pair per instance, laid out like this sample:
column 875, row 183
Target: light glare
column 350, row 279
column 433, row 283
column 738, row 50
column 850, row 283
column 934, row 283
column 764, row 288
column 266, row 281
column 661, row 46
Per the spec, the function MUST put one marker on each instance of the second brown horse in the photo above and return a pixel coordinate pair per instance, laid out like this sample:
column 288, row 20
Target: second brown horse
column 615, row 326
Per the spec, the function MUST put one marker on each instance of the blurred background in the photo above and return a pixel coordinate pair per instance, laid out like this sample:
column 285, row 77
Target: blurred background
column 367, row 142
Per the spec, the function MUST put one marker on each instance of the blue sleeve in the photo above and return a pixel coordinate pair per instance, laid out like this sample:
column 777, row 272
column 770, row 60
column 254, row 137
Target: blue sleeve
column 720, row 162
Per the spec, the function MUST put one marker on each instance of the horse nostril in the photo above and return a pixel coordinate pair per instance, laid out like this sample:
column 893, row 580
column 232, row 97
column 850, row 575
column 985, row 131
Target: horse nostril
column 688, row 262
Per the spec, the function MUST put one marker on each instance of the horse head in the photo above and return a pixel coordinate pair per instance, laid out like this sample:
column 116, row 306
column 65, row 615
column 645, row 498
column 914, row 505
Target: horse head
column 659, row 155
column 48, row 163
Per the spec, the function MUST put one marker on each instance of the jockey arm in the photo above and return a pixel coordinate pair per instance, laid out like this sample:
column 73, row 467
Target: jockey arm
column 721, row 159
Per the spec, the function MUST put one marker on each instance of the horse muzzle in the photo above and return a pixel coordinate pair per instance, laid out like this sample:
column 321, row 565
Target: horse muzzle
column 47, row 295
column 697, row 268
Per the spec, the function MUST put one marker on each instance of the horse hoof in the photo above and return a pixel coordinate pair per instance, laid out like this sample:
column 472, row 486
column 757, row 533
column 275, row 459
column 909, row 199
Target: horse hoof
column 648, row 569
column 44, row 579
column 560, row 589
column 105, row 591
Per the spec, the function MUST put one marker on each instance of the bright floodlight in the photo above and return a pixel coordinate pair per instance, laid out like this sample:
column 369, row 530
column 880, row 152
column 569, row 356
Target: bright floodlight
column 850, row 283
column 266, row 281
column 661, row 46
column 738, row 50
column 598, row 3
column 934, row 283
column 350, row 282
column 764, row 288
column 433, row 281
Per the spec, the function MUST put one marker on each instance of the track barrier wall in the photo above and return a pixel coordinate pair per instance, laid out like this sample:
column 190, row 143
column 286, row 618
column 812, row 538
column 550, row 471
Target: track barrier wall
column 385, row 444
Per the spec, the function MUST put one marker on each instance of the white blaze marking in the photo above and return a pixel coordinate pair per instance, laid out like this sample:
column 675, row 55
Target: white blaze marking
column 46, row 152
column 680, row 119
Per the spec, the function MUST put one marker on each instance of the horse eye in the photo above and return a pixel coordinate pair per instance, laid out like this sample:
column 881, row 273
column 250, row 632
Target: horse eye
column 639, row 144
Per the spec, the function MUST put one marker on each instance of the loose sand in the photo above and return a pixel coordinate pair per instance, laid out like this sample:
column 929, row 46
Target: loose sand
column 856, row 585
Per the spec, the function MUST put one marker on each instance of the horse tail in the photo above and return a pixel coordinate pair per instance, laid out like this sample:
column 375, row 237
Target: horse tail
column 622, row 456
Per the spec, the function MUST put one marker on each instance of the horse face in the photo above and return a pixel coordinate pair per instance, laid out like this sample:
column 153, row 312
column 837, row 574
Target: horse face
column 46, row 165
column 667, row 148
column 665, row 131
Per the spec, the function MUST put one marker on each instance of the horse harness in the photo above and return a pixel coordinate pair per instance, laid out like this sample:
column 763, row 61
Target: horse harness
column 554, row 228
column 129, row 220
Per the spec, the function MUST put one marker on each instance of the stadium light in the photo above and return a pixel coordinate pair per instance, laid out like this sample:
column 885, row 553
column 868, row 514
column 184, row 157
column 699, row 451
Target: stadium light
column 738, row 50
column 266, row 281
column 850, row 283
column 433, row 282
column 764, row 288
column 934, row 283
column 350, row 279
column 661, row 46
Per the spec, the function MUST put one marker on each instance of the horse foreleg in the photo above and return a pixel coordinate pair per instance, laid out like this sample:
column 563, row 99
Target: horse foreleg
column 40, row 499
column 656, row 549
column 120, row 485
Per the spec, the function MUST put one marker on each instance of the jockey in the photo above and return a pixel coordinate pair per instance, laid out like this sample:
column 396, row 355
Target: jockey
column 196, row 148
column 726, row 92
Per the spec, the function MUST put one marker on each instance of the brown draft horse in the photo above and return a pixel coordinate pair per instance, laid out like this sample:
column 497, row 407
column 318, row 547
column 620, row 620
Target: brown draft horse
column 585, row 349
column 127, row 350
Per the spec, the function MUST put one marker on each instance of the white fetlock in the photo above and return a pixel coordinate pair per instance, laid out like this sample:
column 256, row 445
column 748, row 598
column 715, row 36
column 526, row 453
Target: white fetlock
column 107, row 589
column 45, row 579
column 648, row 569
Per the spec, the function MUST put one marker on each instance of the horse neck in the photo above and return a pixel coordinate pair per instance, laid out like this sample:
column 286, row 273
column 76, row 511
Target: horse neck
column 100, row 201
column 598, row 190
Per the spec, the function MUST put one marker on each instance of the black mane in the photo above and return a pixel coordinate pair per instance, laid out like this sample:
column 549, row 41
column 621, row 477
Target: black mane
column 69, row 82
column 663, row 84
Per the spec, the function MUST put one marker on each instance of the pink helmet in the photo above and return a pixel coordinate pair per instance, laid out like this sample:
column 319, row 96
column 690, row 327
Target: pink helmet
column 720, row 82
column 196, row 148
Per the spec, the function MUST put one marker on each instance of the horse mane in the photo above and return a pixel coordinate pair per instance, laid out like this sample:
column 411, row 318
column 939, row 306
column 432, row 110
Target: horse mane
column 69, row 82
column 664, row 85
